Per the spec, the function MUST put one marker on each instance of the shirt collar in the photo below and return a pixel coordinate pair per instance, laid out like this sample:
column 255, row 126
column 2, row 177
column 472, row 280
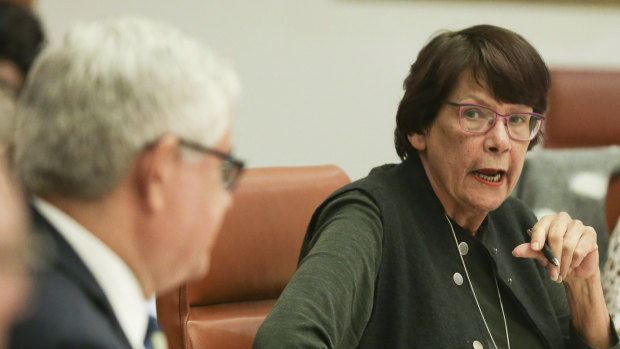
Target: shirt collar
column 113, row 275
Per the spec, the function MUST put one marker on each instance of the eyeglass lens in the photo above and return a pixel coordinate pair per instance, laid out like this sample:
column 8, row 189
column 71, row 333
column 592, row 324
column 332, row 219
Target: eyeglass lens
column 478, row 119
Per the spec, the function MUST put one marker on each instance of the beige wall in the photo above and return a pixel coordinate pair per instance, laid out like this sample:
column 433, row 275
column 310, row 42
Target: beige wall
column 322, row 78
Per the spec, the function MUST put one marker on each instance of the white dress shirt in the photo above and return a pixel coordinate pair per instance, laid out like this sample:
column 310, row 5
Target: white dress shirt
column 115, row 278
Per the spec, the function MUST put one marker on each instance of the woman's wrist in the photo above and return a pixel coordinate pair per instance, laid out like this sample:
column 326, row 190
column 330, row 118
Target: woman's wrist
column 589, row 311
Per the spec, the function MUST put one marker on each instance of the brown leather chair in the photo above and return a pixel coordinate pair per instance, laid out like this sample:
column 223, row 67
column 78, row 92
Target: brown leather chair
column 254, row 258
column 584, row 111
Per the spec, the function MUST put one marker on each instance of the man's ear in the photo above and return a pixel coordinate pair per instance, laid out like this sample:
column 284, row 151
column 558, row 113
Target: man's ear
column 155, row 170
column 417, row 141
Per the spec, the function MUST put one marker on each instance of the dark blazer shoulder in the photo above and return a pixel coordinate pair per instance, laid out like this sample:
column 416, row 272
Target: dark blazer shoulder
column 69, row 308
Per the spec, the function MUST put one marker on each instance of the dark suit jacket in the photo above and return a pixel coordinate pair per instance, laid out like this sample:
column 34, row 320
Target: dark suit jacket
column 69, row 308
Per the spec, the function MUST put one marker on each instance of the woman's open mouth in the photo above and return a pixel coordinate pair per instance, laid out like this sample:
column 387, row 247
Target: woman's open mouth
column 490, row 176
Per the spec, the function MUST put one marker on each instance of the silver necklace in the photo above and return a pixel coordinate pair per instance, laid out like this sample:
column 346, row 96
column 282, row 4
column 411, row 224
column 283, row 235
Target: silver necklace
column 474, row 292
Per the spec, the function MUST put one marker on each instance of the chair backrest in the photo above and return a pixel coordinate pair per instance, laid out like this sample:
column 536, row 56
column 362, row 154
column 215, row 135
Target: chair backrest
column 584, row 111
column 254, row 258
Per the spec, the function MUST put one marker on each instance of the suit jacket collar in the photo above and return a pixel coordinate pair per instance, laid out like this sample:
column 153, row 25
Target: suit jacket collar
column 66, row 261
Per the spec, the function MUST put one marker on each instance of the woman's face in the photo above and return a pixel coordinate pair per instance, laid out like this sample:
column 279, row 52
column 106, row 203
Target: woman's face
column 471, row 174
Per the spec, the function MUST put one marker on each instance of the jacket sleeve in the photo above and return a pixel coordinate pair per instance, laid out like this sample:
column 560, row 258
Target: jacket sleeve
column 329, row 300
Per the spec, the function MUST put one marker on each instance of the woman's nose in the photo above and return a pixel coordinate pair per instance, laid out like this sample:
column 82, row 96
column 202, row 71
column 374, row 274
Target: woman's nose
column 498, row 139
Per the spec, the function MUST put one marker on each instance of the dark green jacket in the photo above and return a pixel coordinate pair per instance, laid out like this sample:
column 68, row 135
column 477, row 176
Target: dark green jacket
column 396, row 288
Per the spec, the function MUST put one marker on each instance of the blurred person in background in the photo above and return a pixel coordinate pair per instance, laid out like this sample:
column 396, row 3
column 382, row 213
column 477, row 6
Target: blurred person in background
column 21, row 38
column 14, row 273
column 123, row 141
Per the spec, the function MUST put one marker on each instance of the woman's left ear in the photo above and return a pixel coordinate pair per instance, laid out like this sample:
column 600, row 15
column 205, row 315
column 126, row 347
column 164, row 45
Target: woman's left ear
column 417, row 141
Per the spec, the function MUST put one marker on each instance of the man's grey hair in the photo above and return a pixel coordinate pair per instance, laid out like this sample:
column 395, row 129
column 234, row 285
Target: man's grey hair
column 111, row 87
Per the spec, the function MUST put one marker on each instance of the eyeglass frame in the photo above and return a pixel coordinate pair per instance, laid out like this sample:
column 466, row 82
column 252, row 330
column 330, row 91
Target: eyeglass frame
column 229, row 160
column 535, row 115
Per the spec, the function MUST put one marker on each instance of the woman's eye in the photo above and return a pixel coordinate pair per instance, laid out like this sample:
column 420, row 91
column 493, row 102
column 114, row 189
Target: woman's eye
column 518, row 119
column 472, row 113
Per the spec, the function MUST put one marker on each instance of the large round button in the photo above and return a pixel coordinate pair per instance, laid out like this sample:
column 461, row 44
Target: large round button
column 478, row 345
column 458, row 278
column 463, row 248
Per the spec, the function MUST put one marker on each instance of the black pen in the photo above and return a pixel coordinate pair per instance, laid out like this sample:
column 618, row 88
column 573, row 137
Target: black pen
column 546, row 250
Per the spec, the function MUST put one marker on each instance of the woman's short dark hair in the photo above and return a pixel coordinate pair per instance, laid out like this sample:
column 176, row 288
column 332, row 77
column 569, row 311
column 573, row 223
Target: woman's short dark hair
column 21, row 36
column 511, row 68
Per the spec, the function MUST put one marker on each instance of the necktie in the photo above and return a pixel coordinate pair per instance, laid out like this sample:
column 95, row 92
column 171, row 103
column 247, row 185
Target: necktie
column 155, row 338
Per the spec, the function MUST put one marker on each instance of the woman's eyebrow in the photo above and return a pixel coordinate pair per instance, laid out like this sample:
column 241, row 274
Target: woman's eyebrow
column 476, row 99
column 515, row 109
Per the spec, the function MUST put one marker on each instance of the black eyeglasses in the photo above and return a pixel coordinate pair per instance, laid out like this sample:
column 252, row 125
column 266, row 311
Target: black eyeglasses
column 480, row 119
column 231, row 168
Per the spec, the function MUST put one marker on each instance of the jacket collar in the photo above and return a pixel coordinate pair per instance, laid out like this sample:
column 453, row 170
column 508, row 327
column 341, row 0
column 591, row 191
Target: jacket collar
column 67, row 262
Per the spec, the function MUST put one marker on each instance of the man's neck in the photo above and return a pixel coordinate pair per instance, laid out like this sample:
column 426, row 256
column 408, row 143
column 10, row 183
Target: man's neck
column 112, row 220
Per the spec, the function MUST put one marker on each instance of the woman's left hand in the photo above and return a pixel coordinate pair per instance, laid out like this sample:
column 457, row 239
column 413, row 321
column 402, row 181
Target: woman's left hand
column 573, row 243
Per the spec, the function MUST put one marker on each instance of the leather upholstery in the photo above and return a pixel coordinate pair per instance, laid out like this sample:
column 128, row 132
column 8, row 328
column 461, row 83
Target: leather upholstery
column 254, row 258
column 584, row 111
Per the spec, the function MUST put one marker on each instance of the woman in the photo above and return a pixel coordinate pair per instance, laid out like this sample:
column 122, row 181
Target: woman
column 432, row 252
